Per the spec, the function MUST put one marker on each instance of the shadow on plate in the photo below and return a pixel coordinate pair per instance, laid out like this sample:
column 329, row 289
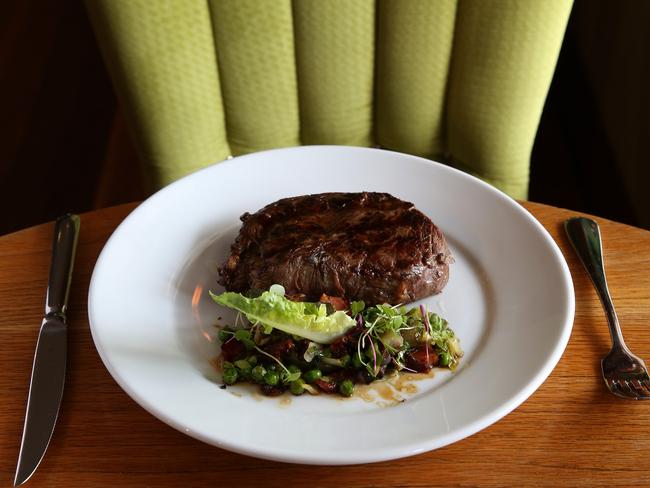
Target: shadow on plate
column 196, row 314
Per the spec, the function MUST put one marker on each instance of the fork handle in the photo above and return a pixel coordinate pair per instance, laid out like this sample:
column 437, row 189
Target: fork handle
column 584, row 235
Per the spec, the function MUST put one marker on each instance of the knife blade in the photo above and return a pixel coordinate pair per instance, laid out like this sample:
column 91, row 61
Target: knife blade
column 48, row 370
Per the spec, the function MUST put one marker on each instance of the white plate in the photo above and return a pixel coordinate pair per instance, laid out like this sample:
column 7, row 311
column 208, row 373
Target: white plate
column 509, row 299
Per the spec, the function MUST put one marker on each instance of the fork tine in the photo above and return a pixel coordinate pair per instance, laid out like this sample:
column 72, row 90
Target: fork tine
column 645, row 385
column 610, row 384
column 622, row 390
column 631, row 392
column 615, row 388
column 634, row 389
column 643, row 389
column 637, row 385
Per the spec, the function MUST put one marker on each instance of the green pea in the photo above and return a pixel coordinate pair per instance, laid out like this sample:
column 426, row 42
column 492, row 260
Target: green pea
column 356, row 361
column 297, row 387
column 224, row 335
column 346, row 388
column 294, row 369
column 312, row 375
column 258, row 373
column 445, row 359
column 242, row 364
column 252, row 360
column 272, row 378
column 230, row 376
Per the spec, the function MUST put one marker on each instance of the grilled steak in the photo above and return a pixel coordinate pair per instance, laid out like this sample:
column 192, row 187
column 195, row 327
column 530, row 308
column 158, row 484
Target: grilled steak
column 361, row 246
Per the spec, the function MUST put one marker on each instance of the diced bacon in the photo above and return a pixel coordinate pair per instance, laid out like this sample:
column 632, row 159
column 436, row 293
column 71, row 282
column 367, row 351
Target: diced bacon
column 326, row 386
column 422, row 359
column 337, row 303
column 231, row 350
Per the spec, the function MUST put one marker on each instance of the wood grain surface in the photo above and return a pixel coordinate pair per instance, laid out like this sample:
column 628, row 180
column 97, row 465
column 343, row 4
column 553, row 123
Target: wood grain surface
column 570, row 432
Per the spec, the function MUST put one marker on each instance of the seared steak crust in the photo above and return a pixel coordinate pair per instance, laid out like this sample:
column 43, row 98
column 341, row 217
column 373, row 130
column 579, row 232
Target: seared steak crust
column 361, row 246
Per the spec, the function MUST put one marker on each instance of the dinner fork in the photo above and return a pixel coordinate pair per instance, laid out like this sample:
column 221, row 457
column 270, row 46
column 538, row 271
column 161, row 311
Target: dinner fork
column 624, row 373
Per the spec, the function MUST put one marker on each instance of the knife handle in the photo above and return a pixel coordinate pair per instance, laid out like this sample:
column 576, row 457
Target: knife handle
column 66, row 232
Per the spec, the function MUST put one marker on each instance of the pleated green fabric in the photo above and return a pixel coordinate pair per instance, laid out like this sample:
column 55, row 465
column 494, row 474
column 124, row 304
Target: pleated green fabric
column 414, row 41
column 335, row 51
column 162, row 61
column 460, row 81
column 258, row 75
column 502, row 63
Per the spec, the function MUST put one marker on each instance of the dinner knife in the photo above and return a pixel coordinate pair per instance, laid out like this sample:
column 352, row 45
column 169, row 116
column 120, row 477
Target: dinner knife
column 48, row 370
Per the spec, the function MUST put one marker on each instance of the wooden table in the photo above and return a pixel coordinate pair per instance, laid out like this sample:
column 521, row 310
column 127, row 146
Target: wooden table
column 570, row 432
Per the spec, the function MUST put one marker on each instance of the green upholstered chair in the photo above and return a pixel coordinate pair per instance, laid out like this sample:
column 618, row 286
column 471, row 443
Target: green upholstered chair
column 459, row 81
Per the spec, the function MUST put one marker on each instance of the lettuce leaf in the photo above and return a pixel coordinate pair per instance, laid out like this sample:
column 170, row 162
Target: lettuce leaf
column 302, row 319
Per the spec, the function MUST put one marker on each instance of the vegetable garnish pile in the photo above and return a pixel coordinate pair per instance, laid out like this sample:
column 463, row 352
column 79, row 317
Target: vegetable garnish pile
column 328, row 346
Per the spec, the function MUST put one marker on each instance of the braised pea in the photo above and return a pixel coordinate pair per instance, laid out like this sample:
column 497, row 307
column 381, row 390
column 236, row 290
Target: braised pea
column 258, row 373
column 346, row 388
column 297, row 387
column 242, row 364
column 312, row 375
column 445, row 359
column 230, row 376
column 272, row 378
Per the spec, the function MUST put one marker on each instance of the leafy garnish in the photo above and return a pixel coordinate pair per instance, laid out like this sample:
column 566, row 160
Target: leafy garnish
column 400, row 330
column 244, row 336
column 275, row 311
column 357, row 307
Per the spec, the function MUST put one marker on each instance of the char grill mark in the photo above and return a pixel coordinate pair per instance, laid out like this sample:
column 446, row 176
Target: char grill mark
column 361, row 246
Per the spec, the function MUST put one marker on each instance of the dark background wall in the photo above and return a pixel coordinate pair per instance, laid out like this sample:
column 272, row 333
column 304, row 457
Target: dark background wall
column 591, row 152
column 64, row 147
